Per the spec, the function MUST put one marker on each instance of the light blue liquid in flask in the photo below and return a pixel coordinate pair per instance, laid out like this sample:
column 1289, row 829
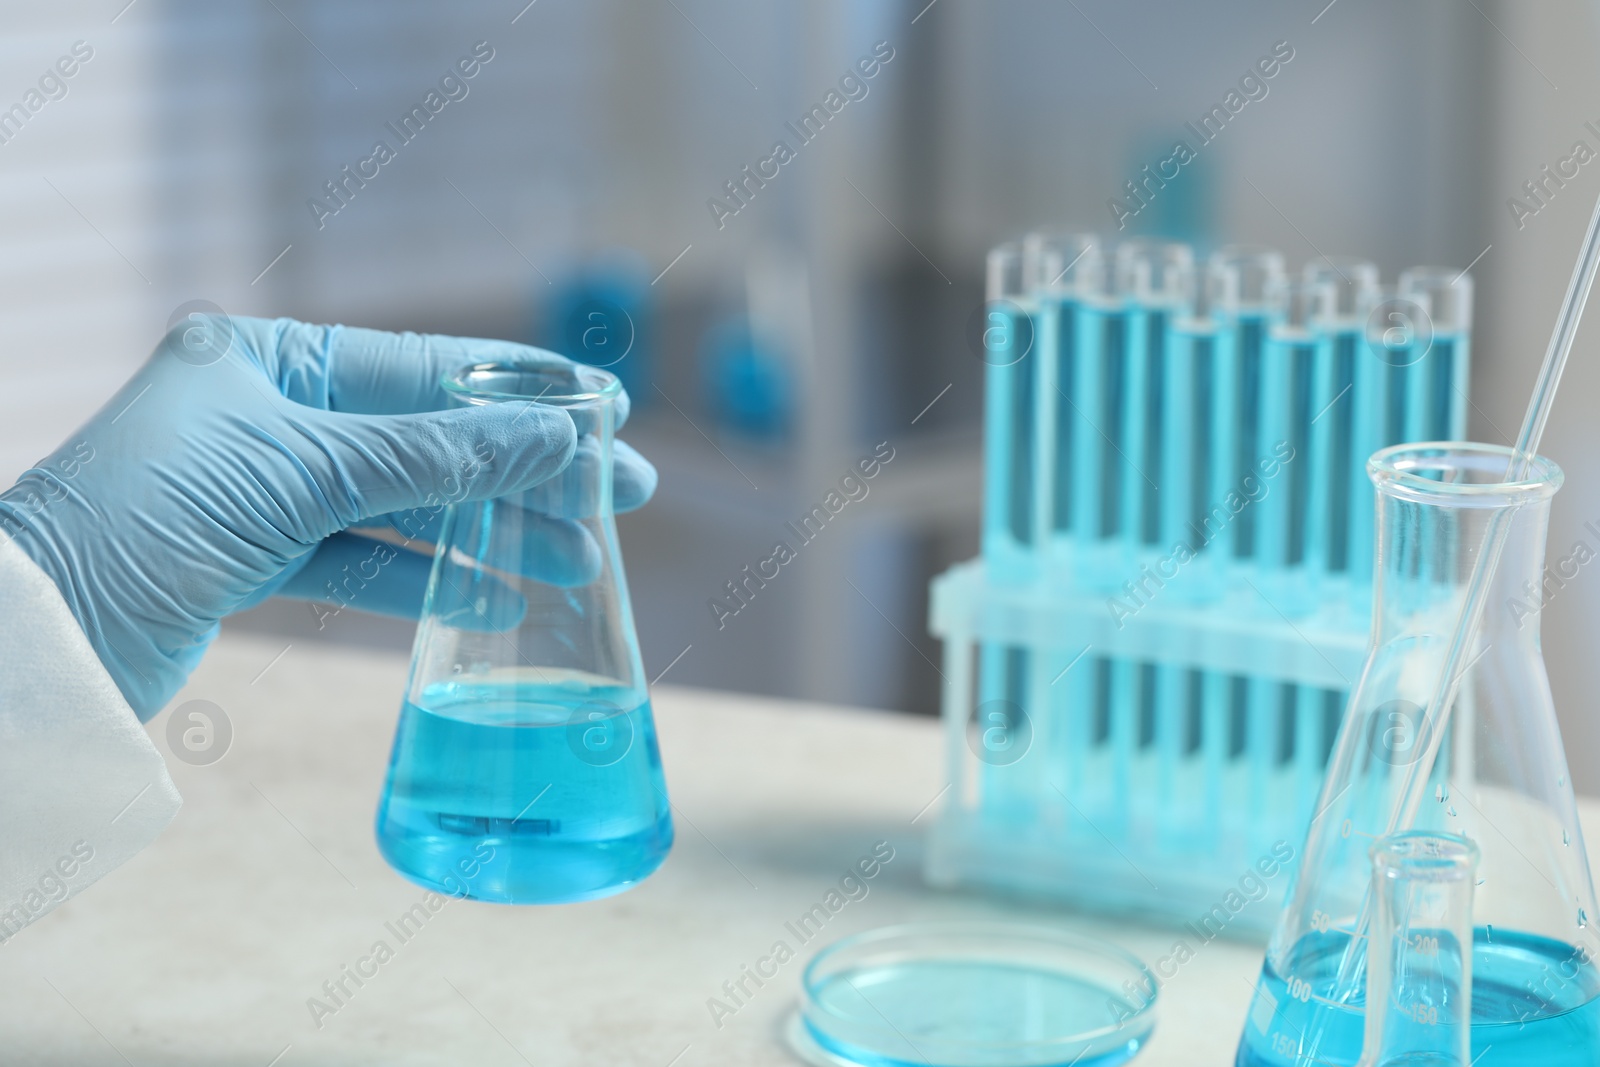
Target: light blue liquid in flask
column 1534, row 1001
column 525, row 768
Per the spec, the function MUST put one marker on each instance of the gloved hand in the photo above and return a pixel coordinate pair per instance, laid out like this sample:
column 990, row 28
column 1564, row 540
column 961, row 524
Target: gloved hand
column 228, row 468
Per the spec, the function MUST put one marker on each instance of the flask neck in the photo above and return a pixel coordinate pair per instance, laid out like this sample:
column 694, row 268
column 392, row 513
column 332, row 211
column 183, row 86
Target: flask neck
column 1428, row 554
column 528, row 602
column 1437, row 507
column 589, row 396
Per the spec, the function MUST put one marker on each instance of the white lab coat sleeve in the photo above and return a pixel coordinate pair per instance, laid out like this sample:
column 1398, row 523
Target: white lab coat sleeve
column 81, row 787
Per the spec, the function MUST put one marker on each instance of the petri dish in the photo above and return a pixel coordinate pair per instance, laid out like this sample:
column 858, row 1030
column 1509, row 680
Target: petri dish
column 972, row 994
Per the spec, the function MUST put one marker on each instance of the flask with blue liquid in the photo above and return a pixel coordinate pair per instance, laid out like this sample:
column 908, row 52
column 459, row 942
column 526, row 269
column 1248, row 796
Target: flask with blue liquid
column 1489, row 768
column 525, row 768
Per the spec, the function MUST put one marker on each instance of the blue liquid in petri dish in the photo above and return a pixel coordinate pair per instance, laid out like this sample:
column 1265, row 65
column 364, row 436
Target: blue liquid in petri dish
column 525, row 793
column 1534, row 1001
column 973, row 1012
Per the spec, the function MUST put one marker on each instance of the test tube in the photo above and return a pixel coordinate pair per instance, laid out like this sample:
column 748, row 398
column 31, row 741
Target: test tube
column 1008, row 350
column 1091, row 426
column 1287, row 374
column 1187, row 443
column 1156, row 280
column 1396, row 337
column 1351, row 293
column 1066, row 268
column 1419, row 951
column 1188, row 450
column 1286, row 716
column 1194, row 698
column 1053, row 270
column 1437, row 381
column 1085, row 511
column 1088, row 331
column 1243, row 281
column 1436, row 408
column 1348, row 291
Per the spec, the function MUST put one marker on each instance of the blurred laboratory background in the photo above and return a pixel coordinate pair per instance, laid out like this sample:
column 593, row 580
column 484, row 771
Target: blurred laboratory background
column 590, row 188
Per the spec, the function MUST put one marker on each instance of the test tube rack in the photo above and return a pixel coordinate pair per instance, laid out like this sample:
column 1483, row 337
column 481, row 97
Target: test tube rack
column 1145, row 668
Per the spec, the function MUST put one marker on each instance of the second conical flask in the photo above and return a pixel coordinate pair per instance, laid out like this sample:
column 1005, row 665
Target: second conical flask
column 1492, row 771
column 525, row 768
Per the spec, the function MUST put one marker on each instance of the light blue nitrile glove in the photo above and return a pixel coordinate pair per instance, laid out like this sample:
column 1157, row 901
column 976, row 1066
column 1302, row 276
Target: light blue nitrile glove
column 230, row 467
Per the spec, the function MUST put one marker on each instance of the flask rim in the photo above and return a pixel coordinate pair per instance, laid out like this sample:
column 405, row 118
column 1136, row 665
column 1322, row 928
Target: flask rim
column 588, row 385
column 1395, row 472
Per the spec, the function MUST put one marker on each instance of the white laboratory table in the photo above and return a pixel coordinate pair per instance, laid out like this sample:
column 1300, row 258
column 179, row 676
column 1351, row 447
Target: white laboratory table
column 205, row 949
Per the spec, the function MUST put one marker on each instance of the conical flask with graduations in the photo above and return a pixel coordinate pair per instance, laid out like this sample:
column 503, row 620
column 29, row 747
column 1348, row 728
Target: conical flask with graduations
column 1491, row 770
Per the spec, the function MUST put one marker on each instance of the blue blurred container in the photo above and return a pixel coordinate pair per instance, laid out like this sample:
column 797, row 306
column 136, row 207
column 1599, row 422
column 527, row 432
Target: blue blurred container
column 603, row 314
column 749, row 388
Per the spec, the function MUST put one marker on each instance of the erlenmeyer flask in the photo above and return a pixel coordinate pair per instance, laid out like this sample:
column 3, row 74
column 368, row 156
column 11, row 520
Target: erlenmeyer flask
column 525, row 767
column 1499, row 779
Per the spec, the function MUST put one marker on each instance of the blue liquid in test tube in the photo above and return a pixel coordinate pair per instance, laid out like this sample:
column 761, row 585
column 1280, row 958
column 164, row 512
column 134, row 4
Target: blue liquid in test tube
column 1070, row 269
column 1032, row 292
column 1287, row 373
column 1065, row 269
column 1096, row 411
column 1188, row 440
column 1348, row 290
column 1351, row 292
column 1188, row 451
column 1437, row 407
column 1244, row 281
column 1397, row 336
column 1007, row 340
column 1156, row 281
column 1286, row 578
column 1090, row 387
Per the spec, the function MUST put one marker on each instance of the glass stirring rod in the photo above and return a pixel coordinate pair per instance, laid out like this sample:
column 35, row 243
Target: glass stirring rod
column 1533, row 424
